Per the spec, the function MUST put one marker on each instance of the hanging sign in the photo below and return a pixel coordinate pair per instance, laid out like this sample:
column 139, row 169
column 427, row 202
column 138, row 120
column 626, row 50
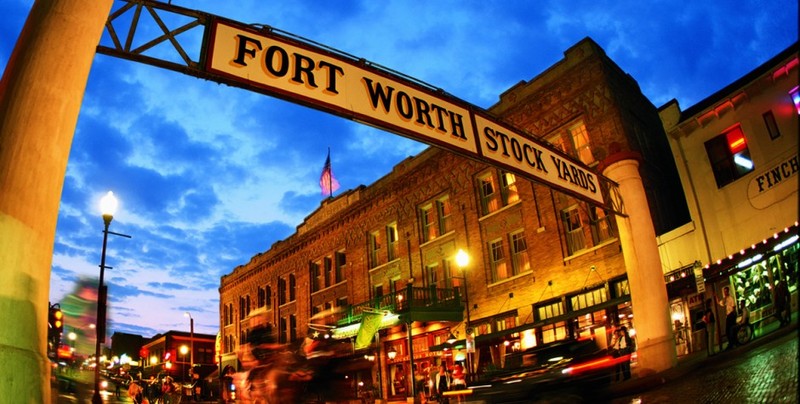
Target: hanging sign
column 355, row 89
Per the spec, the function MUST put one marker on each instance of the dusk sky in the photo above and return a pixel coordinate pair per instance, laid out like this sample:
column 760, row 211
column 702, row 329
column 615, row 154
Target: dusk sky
column 209, row 175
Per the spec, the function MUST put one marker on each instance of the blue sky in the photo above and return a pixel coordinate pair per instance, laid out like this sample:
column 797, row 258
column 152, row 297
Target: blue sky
column 208, row 175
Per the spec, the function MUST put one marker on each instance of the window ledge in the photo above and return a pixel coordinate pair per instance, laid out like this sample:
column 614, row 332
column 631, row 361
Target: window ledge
column 488, row 215
column 438, row 239
column 515, row 277
column 329, row 287
column 592, row 249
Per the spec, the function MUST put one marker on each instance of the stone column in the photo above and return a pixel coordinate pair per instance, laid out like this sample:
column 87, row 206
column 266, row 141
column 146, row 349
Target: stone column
column 40, row 98
column 655, row 348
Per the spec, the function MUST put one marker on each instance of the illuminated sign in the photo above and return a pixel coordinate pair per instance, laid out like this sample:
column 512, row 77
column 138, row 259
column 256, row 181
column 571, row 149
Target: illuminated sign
column 354, row 89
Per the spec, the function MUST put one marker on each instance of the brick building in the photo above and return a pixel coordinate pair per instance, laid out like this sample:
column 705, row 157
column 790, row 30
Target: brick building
column 543, row 266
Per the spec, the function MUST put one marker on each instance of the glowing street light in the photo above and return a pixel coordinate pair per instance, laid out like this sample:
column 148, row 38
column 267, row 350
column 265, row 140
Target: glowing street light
column 462, row 260
column 108, row 206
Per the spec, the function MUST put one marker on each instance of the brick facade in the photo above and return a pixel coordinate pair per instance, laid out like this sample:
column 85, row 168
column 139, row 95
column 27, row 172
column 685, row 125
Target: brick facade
column 586, row 87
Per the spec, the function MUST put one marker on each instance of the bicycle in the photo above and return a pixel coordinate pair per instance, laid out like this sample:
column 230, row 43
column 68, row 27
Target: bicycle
column 743, row 333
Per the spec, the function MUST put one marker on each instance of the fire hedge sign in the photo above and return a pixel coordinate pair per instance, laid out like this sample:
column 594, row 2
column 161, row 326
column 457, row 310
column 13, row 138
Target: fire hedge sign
column 352, row 88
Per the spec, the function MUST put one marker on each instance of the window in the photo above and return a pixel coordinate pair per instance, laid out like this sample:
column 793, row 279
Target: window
column 392, row 242
column 729, row 156
column 261, row 298
column 317, row 283
column 509, row 190
column 580, row 139
column 497, row 259
column 375, row 241
column 341, row 302
column 588, row 299
column 268, row 297
column 493, row 198
column 601, row 225
column 435, row 218
column 282, row 326
column 438, row 275
column 292, row 327
column 341, row 263
column 549, row 310
column 519, row 253
column 573, row 227
column 328, row 263
column 772, row 125
column 281, row 291
column 505, row 322
column 292, row 288
column 244, row 307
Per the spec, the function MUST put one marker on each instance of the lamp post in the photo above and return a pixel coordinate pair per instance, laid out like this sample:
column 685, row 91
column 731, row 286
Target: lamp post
column 191, row 338
column 108, row 206
column 183, row 350
column 462, row 260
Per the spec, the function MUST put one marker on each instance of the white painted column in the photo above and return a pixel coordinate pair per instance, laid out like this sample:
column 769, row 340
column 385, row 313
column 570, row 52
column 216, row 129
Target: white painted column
column 655, row 348
column 40, row 98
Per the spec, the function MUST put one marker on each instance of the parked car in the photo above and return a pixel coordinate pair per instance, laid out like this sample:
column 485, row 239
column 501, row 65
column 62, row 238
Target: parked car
column 562, row 371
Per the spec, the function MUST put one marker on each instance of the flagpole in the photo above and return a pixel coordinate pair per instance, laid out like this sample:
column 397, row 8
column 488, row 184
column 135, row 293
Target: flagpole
column 330, row 176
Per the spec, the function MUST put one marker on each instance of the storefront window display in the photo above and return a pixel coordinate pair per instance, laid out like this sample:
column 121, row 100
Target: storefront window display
column 759, row 274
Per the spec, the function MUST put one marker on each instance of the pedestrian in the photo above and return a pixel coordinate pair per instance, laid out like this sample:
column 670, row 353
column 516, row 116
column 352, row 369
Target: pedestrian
column 730, row 316
column 782, row 310
column 711, row 328
column 419, row 382
column 622, row 347
column 441, row 384
column 135, row 392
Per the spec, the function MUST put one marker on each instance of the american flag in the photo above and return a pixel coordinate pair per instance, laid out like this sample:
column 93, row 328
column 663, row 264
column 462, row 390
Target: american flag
column 327, row 182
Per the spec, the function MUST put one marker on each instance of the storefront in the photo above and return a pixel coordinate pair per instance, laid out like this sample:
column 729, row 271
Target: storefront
column 754, row 274
column 685, row 291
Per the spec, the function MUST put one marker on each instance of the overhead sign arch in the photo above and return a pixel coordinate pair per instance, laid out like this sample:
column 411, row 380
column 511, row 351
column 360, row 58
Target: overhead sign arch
column 269, row 61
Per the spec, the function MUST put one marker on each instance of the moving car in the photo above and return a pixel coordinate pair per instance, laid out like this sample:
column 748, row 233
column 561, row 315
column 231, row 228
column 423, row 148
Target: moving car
column 562, row 371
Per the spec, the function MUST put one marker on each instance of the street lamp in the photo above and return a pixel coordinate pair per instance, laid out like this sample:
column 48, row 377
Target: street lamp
column 184, row 349
column 108, row 206
column 462, row 260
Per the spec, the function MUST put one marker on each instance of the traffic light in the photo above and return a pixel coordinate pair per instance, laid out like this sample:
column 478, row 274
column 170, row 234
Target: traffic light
column 56, row 320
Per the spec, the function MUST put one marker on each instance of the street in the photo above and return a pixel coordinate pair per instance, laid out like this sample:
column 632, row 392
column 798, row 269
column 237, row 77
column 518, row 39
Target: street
column 759, row 374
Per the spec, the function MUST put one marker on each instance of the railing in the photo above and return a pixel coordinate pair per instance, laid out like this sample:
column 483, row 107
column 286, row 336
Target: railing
column 406, row 300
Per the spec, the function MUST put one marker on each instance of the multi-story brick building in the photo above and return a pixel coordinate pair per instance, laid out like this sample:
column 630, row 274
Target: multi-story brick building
column 544, row 265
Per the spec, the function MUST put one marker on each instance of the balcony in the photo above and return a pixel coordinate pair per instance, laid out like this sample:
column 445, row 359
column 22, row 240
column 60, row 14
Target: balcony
column 411, row 304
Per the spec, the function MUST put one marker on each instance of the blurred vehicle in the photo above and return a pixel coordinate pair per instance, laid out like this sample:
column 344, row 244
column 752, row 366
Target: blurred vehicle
column 562, row 371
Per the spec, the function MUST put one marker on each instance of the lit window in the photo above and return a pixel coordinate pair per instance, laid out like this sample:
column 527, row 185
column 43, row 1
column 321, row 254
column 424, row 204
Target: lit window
column 492, row 200
column 499, row 264
column 519, row 251
column 580, row 138
column 573, row 229
column 435, row 218
column 375, row 241
column 795, row 94
column 729, row 156
column 392, row 242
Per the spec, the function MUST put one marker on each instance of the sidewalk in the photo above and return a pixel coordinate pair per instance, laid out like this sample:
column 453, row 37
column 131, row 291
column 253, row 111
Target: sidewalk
column 696, row 360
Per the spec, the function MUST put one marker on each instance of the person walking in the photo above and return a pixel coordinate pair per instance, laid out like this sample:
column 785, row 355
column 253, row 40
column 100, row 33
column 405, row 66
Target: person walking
column 711, row 328
column 441, row 384
column 730, row 316
column 782, row 310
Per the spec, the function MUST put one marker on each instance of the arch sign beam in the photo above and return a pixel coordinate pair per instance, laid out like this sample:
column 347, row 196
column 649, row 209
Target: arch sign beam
column 276, row 63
